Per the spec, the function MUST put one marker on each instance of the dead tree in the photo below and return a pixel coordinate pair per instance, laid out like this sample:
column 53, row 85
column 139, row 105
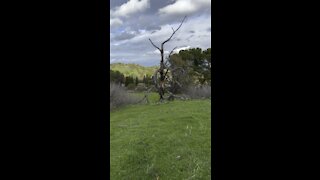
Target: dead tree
column 160, row 82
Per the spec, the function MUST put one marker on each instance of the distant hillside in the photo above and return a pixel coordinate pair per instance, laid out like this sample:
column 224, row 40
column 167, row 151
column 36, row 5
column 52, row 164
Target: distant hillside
column 134, row 70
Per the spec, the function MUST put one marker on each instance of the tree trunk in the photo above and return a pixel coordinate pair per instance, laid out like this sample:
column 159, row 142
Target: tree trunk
column 162, row 66
column 162, row 77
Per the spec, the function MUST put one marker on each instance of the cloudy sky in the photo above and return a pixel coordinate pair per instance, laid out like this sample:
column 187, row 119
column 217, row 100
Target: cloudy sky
column 133, row 22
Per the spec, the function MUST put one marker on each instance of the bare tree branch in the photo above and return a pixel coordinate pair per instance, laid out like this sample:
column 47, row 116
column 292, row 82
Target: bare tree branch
column 172, row 51
column 166, row 72
column 166, row 63
column 174, row 31
column 154, row 45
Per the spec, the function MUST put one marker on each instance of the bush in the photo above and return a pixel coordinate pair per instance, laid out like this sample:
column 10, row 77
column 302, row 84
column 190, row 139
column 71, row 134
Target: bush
column 198, row 92
column 140, row 88
column 131, row 86
column 119, row 97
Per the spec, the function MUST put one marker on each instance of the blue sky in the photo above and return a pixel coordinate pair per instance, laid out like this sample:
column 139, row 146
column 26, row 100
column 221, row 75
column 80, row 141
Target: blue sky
column 133, row 22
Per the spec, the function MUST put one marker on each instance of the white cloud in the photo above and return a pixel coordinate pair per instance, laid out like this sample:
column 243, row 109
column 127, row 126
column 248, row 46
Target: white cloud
column 181, row 48
column 130, row 7
column 185, row 7
column 138, row 49
column 115, row 22
column 158, row 52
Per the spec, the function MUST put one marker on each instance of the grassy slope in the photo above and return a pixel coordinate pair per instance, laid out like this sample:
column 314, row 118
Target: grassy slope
column 133, row 69
column 168, row 141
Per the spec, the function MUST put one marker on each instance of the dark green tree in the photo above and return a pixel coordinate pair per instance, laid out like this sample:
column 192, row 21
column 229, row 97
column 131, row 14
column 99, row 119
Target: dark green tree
column 129, row 80
column 196, row 65
column 116, row 77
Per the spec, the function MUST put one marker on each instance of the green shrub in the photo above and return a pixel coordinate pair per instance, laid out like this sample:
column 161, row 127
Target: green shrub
column 131, row 86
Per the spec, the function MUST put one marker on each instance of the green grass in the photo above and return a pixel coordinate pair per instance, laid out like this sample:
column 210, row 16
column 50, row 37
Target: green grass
column 161, row 141
column 152, row 96
column 133, row 69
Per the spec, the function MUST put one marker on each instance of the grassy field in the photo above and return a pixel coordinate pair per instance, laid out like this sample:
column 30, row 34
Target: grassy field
column 161, row 141
column 133, row 69
column 152, row 97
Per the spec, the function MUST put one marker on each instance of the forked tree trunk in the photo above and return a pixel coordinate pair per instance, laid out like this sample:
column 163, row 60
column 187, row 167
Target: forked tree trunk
column 162, row 77
column 161, row 83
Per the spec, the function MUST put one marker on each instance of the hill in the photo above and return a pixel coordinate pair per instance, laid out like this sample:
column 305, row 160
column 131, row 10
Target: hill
column 134, row 70
column 161, row 141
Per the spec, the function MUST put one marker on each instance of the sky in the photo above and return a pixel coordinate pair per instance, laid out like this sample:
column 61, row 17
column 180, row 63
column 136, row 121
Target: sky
column 133, row 22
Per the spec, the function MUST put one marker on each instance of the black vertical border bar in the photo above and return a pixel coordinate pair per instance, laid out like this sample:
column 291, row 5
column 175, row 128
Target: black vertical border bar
column 217, row 125
column 102, row 47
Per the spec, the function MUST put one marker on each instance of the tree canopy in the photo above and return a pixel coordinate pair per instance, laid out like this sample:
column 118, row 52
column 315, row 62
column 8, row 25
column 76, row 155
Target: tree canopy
column 196, row 64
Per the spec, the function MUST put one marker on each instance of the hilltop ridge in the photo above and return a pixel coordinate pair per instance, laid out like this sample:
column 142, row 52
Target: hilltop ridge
column 134, row 70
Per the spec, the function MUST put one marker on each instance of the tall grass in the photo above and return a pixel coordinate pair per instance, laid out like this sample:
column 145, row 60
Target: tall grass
column 120, row 97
